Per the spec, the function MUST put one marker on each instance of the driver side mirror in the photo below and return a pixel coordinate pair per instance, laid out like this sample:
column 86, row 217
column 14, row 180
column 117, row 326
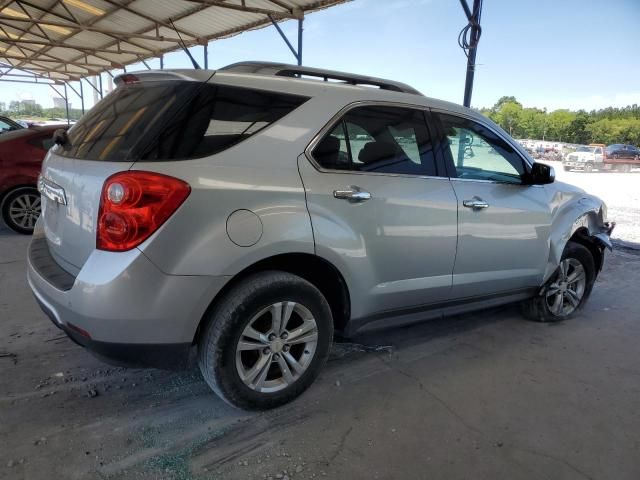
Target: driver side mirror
column 541, row 174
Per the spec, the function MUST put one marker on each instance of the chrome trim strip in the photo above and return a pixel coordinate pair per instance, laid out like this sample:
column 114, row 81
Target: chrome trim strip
column 51, row 190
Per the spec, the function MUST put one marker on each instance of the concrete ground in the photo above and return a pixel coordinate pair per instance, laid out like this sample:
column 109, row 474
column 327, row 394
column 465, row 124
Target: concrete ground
column 483, row 396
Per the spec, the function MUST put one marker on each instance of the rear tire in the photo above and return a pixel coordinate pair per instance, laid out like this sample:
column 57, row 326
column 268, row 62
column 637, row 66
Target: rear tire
column 566, row 292
column 266, row 340
column 588, row 168
column 20, row 209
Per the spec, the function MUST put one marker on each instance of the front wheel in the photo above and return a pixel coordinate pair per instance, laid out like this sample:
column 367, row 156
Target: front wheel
column 266, row 340
column 21, row 209
column 588, row 167
column 567, row 290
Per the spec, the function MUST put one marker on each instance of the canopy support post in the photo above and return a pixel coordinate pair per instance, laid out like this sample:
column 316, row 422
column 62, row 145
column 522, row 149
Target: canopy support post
column 206, row 56
column 474, row 20
column 66, row 103
column 300, row 30
column 298, row 53
column 81, row 97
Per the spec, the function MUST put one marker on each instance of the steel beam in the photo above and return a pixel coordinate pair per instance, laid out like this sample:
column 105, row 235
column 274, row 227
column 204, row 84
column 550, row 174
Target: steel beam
column 82, row 27
column 245, row 8
column 206, row 55
column 300, row 31
column 296, row 54
column 474, row 20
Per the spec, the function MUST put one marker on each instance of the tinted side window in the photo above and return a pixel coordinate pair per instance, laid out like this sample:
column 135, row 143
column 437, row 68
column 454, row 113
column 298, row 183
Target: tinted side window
column 173, row 120
column 379, row 139
column 477, row 153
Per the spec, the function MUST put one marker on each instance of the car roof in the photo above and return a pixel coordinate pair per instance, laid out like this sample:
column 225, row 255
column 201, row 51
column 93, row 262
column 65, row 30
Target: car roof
column 301, row 86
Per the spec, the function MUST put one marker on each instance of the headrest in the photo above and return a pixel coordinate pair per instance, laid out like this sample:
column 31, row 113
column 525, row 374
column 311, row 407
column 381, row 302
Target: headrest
column 377, row 151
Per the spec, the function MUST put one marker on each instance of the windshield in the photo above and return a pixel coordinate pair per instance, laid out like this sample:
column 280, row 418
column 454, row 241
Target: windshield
column 585, row 149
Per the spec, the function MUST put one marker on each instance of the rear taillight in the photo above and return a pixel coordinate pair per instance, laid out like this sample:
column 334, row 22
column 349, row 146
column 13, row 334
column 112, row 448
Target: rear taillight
column 133, row 205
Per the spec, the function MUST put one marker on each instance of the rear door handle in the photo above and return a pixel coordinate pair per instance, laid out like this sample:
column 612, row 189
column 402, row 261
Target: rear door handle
column 353, row 194
column 476, row 203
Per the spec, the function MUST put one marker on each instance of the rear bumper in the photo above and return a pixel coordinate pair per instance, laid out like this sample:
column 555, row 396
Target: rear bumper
column 123, row 308
column 165, row 355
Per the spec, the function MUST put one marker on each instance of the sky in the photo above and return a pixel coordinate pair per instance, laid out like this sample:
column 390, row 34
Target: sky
column 576, row 54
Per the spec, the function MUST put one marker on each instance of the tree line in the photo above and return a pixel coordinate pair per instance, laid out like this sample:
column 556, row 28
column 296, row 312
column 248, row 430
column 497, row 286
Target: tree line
column 608, row 125
column 27, row 109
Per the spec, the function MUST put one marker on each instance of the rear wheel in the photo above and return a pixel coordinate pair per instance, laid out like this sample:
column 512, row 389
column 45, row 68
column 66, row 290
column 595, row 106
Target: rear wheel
column 266, row 340
column 21, row 209
column 588, row 167
column 567, row 291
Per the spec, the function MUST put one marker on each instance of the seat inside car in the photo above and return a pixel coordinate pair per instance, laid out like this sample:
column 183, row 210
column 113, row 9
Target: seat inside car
column 327, row 153
column 378, row 155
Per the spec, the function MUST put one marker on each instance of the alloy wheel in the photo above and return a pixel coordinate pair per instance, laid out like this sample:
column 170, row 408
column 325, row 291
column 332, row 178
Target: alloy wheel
column 24, row 210
column 276, row 347
column 564, row 295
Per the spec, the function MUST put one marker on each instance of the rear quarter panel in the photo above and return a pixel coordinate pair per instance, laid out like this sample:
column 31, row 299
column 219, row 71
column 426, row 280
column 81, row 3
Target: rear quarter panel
column 259, row 174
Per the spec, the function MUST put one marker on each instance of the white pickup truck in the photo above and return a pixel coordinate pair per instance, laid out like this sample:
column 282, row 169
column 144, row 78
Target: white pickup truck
column 585, row 158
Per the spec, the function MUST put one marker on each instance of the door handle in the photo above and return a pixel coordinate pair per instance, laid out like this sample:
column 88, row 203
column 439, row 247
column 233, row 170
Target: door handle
column 476, row 203
column 353, row 194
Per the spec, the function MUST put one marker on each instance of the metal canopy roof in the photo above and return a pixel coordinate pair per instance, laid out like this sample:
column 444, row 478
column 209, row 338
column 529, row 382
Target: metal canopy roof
column 63, row 40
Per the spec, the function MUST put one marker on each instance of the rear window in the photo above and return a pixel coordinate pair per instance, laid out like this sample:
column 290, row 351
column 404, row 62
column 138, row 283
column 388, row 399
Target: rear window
column 173, row 120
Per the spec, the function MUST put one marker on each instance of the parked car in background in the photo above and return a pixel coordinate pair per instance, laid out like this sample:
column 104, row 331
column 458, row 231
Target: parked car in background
column 585, row 158
column 251, row 213
column 620, row 157
column 8, row 125
column 619, row 151
column 21, row 155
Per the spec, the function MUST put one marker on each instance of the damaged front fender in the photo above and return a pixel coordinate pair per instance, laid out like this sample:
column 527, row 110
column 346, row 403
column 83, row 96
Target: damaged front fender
column 577, row 214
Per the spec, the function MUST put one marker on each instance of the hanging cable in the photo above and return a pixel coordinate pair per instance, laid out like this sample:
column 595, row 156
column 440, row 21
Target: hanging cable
column 464, row 37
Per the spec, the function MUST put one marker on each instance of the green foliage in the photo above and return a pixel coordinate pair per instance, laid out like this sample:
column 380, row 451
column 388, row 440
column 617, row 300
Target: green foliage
column 27, row 109
column 609, row 125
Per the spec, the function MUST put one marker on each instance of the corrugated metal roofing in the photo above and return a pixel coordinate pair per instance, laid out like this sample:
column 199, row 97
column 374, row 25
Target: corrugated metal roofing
column 65, row 40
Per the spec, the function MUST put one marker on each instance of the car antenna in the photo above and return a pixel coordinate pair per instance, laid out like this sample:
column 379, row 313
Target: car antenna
column 184, row 47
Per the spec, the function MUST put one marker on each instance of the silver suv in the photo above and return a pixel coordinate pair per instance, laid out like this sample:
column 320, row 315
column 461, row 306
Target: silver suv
column 250, row 212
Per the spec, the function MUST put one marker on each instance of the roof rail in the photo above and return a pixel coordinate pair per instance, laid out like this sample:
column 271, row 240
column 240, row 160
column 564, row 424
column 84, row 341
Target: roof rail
column 287, row 70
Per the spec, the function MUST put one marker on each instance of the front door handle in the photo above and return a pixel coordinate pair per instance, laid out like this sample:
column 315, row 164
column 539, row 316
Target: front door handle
column 476, row 203
column 353, row 194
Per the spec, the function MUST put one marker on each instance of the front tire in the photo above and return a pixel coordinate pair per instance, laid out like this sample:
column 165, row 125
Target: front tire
column 20, row 209
column 266, row 341
column 566, row 292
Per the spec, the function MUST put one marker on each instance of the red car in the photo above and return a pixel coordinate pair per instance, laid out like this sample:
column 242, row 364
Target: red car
column 21, row 155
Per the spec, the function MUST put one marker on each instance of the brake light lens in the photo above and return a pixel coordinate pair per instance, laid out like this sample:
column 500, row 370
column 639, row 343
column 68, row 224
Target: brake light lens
column 129, row 78
column 133, row 205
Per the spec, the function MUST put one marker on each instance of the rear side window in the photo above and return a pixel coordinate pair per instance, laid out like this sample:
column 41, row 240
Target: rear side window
column 379, row 139
column 173, row 120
